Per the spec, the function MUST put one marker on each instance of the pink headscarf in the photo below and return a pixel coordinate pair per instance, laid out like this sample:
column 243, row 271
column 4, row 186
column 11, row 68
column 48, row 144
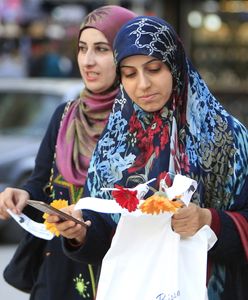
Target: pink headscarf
column 86, row 118
column 108, row 19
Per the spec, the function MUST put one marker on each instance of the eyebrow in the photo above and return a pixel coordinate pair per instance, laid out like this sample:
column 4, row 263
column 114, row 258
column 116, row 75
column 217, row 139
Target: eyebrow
column 146, row 63
column 97, row 43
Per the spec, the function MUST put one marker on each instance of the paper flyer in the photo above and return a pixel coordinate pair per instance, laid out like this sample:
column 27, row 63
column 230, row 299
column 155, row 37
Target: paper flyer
column 35, row 228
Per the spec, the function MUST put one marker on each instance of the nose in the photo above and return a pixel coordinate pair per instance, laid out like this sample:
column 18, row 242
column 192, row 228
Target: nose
column 144, row 81
column 89, row 58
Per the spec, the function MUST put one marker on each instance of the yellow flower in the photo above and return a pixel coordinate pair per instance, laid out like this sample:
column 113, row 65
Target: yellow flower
column 57, row 204
column 158, row 203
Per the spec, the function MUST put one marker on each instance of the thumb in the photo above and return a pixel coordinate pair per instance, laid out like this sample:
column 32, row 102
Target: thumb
column 21, row 202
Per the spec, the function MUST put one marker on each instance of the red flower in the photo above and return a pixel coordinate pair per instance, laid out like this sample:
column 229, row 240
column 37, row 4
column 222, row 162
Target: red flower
column 126, row 198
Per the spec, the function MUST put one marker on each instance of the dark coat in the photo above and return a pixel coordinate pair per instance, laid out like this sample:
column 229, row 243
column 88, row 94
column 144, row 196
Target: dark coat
column 59, row 277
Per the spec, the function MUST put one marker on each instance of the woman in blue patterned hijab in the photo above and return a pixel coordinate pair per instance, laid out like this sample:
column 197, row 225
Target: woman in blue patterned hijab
column 195, row 135
column 191, row 134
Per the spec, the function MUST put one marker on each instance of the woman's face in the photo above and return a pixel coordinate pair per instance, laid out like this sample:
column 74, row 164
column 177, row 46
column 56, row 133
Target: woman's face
column 95, row 61
column 147, row 81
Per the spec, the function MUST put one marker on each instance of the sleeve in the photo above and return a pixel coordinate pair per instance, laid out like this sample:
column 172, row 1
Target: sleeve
column 229, row 246
column 44, row 159
column 98, row 239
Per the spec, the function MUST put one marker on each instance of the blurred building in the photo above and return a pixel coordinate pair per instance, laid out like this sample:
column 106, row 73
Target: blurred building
column 214, row 32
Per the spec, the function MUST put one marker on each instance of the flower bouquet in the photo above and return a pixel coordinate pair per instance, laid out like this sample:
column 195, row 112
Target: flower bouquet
column 132, row 200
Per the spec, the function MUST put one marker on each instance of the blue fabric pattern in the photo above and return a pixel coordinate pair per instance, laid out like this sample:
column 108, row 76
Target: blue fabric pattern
column 205, row 142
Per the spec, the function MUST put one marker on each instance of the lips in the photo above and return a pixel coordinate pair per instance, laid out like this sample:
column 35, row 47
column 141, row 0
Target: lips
column 91, row 76
column 148, row 97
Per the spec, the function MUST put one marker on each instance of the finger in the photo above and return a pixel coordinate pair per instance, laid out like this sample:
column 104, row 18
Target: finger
column 14, row 199
column 88, row 223
column 53, row 219
column 21, row 204
column 66, row 225
column 73, row 232
column 68, row 209
column 185, row 230
column 180, row 225
column 76, row 213
column 184, row 213
column 182, row 232
column 8, row 203
column 3, row 211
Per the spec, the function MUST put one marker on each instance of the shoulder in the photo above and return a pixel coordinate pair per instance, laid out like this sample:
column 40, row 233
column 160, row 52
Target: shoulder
column 55, row 120
column 60, row 110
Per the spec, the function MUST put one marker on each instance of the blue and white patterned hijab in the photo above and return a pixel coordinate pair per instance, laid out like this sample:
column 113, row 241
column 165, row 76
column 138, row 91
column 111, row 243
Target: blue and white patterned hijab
column 191, row 135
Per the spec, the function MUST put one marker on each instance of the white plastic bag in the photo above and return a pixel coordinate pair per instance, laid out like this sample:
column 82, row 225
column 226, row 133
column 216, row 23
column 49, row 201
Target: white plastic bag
column 148, row 261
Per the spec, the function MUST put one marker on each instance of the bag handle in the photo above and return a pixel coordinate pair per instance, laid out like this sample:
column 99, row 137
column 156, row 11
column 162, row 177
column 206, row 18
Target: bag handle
column 49, row 186
column 242, row 227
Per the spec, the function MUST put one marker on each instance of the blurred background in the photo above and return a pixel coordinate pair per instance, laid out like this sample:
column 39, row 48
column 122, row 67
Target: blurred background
column 38, row 39
column 38, row 70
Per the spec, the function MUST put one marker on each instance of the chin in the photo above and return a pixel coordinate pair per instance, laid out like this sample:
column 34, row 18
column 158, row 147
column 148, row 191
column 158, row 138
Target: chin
column 150, row 109
column 95, row 89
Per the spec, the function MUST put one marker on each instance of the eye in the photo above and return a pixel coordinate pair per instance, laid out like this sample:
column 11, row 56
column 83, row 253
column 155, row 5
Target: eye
column 82, row 48
column 128, row 75
column 153, row 68
column 102, row 49
column 127, row 72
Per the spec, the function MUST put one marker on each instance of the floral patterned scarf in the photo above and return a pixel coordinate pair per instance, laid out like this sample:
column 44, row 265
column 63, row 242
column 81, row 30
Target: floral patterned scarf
column 192, row 134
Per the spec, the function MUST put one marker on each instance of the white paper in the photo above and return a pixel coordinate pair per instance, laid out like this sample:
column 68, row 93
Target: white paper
column 37, row 229
column 142, row 189
column 99, row 205
column 182, row 186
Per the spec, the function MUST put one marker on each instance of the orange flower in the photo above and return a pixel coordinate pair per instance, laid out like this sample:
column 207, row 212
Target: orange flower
column 126, row 198
column 57, row 204
column 158, row 203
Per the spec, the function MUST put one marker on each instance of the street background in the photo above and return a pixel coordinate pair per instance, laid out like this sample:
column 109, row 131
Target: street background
column 38, row 38
column 7, row 291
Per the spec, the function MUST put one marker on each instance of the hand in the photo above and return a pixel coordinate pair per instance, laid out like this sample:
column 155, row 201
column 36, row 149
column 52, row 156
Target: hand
column 189, row 219
column 70, row 229
column 13, row 199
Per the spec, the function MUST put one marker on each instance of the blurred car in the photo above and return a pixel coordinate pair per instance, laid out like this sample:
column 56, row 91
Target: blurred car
column 26, row 108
